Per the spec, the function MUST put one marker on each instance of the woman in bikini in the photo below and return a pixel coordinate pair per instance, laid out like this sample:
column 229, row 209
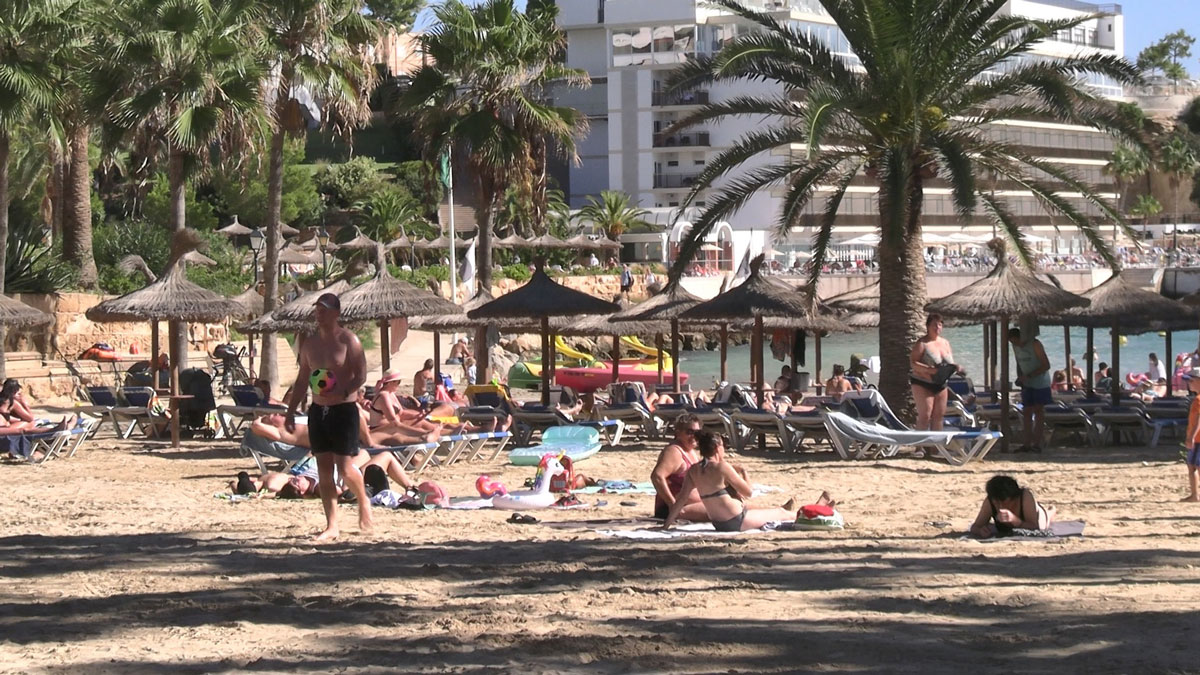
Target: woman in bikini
column 671, row 470
column 1009, row 506
column 723, row 492
column 13, row 406
column 931, row 358
column 388, row 415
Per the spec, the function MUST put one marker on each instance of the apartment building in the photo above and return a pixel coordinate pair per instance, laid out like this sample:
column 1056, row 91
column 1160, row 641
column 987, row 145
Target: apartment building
column 630, row 47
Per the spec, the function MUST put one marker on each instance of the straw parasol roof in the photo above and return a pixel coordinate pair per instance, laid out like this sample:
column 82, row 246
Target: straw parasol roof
column 760, row 296
column 440, row 243
column 360, row 242
column 386, row 297
column 1007, row 291
column 293, row 256
column 865, row 299
column 583, row 242
column 399, row 242
column 542, row 297
column 287, row 230
column 547, row 241
column 169, row 298
column 458, row 319
column 198, row 258
column 250, row 302
column 671, row 303
column 294, row 316
column 511, row 241
column 1119, row 302
column 16, row 314
column 235, row 229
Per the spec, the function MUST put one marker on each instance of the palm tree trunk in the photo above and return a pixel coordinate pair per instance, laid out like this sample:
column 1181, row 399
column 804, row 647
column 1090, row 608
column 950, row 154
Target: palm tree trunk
column 76, row 207
column 268, row 361
column 177, row 190
column 902, row 290
column 3, row 234
column 55, row 187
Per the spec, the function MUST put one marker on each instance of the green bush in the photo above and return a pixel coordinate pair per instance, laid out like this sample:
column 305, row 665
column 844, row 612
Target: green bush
column 114, row 240
column 229, row 277
column 30, row 265
column 246, row 195
column 351, row 182
column 516, row 272
column 198, row 213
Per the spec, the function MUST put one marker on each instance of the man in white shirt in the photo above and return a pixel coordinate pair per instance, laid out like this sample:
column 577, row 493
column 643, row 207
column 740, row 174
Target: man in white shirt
column 1157, row 371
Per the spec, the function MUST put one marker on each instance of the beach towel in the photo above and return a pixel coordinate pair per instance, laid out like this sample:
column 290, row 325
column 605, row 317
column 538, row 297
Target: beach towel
column 617, row 487
column 691, row 530
column 1064, row 528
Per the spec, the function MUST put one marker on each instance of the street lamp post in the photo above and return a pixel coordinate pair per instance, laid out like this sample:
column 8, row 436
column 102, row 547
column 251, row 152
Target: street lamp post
column 257, row 240
column 323, row 241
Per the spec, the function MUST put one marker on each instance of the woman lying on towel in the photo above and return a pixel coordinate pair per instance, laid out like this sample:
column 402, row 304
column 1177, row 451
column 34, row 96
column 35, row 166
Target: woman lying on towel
column 271, row 427
column 723, row 491
column 301, row 481
column 1009, row 506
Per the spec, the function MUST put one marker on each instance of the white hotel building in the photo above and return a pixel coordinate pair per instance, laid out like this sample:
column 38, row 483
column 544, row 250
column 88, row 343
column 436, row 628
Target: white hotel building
column 629, row 48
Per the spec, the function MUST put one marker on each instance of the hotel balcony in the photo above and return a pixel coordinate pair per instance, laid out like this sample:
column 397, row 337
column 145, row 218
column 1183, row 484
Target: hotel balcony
column 693, row 139
column 668, row 181
column 695, row 97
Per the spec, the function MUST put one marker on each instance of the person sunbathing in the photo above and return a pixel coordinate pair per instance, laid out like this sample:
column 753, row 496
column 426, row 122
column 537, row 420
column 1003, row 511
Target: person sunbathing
column 1009, row 506
column 839, row 384
column 301, row 482
column 723, row 490
column 13, row 406
column 671, row 469
column 388, row 414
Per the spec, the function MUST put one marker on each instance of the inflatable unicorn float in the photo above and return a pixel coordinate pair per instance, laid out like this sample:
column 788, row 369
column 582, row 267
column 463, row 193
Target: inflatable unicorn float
column 539, row 497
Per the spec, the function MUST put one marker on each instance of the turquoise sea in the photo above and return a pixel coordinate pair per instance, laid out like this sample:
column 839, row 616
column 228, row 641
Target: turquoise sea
column 967, row 343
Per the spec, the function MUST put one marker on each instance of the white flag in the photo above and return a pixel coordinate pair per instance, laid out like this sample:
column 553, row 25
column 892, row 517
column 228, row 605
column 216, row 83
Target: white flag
column 466, row 271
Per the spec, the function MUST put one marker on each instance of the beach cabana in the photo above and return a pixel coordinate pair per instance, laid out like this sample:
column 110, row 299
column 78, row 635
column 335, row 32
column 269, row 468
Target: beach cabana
column 759, row 298
column 384, row 298
column 1007, row 292
column 541, row 299
column 1124, row 308
column 171, row 297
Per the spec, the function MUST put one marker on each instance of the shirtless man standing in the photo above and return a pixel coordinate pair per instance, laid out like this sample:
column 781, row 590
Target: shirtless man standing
column 333, row 365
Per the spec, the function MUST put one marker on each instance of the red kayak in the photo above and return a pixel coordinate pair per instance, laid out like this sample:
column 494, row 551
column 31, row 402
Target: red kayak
column 586, row 380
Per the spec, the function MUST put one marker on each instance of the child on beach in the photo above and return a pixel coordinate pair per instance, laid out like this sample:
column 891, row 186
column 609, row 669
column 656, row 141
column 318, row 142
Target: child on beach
column 1191, row 440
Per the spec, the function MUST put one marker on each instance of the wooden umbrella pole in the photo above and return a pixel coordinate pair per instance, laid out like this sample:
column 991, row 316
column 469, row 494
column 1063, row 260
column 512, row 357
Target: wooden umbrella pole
column 553, row 362
column 1004, row 389
column 724, row 352
column 616, row 357
column 1067, row 349
column 658, row 343
column 1171, row 360
column 1115, row 372
column 546, row 354
column 250, row 354
column 759, row 376
column 675, row 355
column 1091, row 365
column 820, row 384
column 986, row 355
column 995, row 347
column 154, row 347
column 173, row 346
column 385, row 347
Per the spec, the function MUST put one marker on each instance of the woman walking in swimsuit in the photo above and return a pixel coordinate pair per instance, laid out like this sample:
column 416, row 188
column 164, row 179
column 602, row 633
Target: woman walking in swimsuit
column 1009, row 506
column 722, row 491
column 672, row 467
column 929, row 355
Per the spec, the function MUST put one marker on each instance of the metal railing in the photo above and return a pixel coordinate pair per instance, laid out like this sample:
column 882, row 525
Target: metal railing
column 692, row 139
column 674, row 180
column 695, row 97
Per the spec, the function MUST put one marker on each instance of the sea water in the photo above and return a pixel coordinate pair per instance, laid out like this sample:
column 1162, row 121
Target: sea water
column 966, row 342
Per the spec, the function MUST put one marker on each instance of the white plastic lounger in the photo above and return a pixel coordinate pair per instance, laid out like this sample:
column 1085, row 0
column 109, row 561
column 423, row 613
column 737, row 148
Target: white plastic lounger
column 263, row 451
column 855, row 439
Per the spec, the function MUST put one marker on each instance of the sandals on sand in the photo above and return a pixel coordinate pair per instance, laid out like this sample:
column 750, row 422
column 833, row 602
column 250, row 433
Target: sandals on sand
column 522, row 519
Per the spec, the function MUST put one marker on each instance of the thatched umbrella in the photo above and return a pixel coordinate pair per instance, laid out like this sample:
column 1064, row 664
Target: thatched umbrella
column 511, row 241
column 251, row 304
column 384, row 298
column 360, row 242
column 669, row 305
column 865, row 299
column 1124, row 308
column 294, row 316
column 286, row 230
column 442, row 242
column 1005, row 293
column 759, row 298
column 169, row 298
column 541, row 298
column 289, row 255
column 235, row 229
column 547, row 241
column 16, row 314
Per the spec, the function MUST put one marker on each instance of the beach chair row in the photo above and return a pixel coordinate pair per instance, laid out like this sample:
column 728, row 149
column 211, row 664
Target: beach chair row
column 39, row 448
column 1099, row 423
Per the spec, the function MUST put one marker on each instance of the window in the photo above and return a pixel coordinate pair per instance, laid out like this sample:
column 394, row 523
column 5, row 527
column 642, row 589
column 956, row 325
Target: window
column 672, row 163
column 622, row 46
column 701, row 204
column 641, row 46
column 698, row 162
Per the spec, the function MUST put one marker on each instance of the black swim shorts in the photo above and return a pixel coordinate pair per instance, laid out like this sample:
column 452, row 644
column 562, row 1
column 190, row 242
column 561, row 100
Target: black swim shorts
column 334, row 428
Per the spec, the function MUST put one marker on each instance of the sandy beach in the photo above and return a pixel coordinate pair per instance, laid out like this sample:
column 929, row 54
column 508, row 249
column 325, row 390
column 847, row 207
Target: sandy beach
column 121, row 560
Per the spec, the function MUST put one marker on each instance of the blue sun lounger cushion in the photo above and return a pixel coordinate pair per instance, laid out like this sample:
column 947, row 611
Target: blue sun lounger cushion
column 576, row 442
column 264, row 450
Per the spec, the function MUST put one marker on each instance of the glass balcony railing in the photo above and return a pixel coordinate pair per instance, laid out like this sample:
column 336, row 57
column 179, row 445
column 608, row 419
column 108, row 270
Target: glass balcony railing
column 694, row 139
column 674, row 180
column 664, row 98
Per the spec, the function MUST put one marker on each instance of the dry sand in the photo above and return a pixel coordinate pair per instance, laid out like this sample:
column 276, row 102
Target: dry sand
column 121, row 560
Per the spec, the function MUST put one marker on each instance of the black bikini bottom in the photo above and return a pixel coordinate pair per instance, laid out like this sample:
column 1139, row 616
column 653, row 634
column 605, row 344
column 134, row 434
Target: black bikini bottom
column 928, row 386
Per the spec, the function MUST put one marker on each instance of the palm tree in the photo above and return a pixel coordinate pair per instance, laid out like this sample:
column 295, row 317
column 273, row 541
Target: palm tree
column 483, row 94
column 915, row 103
column 179, row 79
column 26, row 85
column 612, row 212
column 314, row 47
column 1177, row 159
column 1125, row 165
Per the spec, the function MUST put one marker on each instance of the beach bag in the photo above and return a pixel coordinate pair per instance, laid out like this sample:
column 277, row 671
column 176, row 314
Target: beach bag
column 819, row 517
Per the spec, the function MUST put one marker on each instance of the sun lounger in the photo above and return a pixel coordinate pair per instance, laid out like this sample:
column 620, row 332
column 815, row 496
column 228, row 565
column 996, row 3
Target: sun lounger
column 1135, row 424
column 139, row 412
column 807, row 425
column 870, row 406
column 855, row 439
column 40, row 446
column 248, row 404
column 750, row 422
column 628, row 404
column 575, row 442
column 1061, row 420
column 530, row 419
column 263, row 450
column 450, row 449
